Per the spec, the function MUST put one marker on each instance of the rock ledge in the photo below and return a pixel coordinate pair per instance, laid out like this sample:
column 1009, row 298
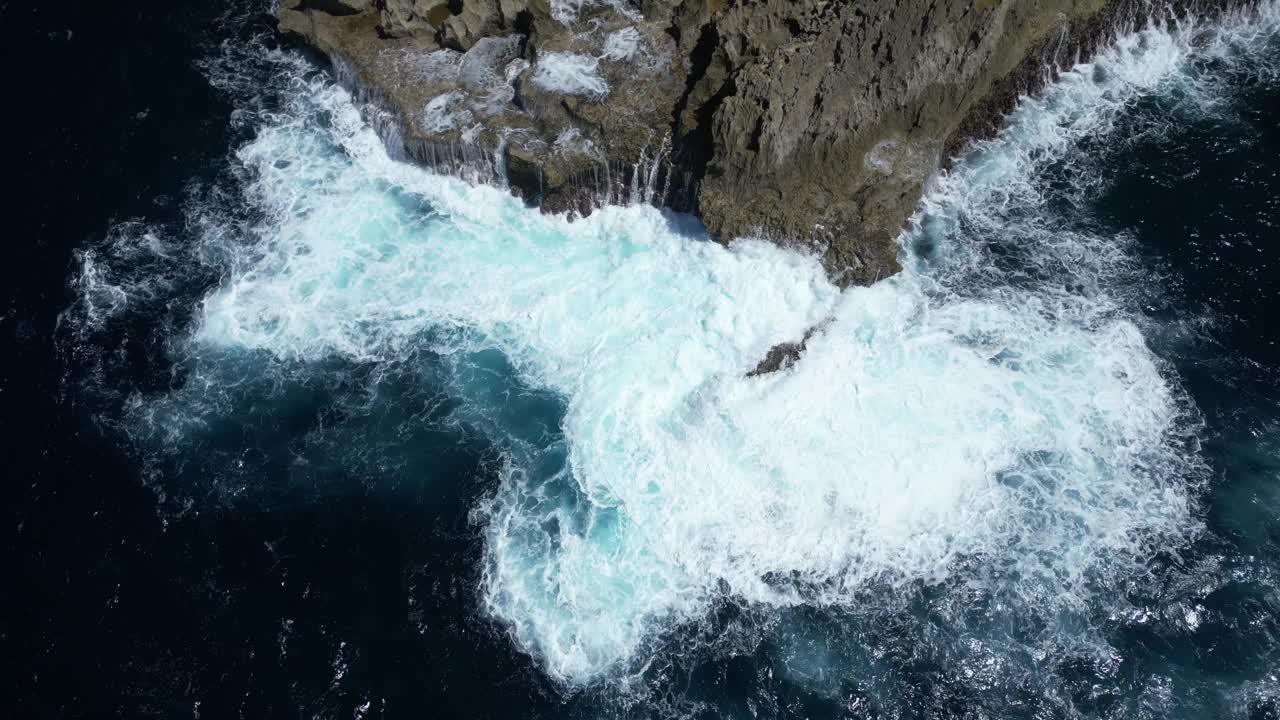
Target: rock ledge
column 814, row 123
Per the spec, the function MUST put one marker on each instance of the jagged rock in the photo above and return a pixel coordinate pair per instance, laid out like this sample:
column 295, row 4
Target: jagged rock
column 779, row 357
column 405, row 18
column 510, row 11
column 814, row 123
column 477, row 19
column 839, row 113
column 784, row 355
column 505, row 80
column 524, row 172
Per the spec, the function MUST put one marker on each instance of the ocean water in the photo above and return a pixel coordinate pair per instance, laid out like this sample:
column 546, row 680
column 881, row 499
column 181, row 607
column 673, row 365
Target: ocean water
column 313, row 432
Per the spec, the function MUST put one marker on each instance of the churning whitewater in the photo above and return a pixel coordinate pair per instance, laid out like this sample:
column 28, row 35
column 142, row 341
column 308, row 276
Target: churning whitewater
column 957, row 420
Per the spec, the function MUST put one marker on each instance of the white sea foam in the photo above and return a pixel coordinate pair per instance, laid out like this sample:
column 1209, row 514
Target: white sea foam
column 123, row 270
column 567, row 12
column 480, row 65
column 622, row 44
column 569, row 137
column 444, row 112
column 948, row 413
column 488, row 70
column 570, row 73
column 434, row 66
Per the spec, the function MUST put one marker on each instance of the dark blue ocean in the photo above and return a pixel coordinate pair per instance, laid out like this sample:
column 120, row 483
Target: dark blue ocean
column 295, row 430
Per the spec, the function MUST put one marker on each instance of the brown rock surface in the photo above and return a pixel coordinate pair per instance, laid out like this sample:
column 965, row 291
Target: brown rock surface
column 814, row 123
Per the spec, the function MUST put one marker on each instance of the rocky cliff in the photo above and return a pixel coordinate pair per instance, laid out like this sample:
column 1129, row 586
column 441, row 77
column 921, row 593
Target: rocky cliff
column 814, row 123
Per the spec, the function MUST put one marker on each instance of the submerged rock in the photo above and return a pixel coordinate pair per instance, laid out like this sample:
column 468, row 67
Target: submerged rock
column 813, row 123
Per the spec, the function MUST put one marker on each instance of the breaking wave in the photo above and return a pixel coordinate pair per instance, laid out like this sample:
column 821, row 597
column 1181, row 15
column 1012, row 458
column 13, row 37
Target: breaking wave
column 991, row 416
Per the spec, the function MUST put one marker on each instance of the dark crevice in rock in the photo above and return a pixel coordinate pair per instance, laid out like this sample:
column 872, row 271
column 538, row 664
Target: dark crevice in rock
column 523, row 24
column 753, row 143
column 691, row 126
column 699, row 60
